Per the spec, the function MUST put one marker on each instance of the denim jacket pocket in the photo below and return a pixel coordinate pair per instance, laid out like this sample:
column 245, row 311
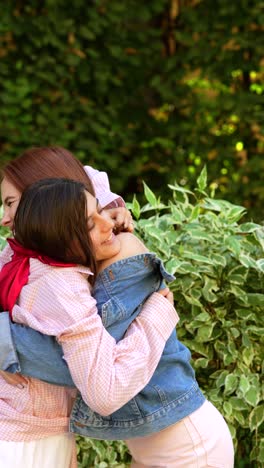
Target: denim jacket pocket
column 112, row 311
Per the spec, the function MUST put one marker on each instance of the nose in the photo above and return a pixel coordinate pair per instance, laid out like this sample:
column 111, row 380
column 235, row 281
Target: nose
column 6, row 221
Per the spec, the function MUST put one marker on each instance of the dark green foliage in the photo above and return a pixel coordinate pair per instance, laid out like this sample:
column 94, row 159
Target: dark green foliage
column 147, row 90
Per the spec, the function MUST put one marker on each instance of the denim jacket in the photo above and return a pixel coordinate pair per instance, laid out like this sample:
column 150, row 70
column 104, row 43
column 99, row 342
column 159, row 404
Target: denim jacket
column 171, row 394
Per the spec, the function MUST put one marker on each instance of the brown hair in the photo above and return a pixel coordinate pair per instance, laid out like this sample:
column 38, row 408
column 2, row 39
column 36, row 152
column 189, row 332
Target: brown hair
column 42, row 163
column 52, row 219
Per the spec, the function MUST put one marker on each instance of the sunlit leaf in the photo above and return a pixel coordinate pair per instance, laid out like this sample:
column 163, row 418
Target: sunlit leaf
column 202, row 179
column 135, row 208
column 150, row 196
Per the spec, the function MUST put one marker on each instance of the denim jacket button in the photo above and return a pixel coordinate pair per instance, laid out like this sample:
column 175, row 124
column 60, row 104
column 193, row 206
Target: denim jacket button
column 79, row 424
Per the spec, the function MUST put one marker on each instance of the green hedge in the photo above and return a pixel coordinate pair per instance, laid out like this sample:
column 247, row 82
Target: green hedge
column 143, row 89
column 219, row 293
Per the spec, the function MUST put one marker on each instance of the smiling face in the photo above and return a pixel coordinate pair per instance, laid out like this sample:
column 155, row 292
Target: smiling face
column 100, row 227
column 10, row 196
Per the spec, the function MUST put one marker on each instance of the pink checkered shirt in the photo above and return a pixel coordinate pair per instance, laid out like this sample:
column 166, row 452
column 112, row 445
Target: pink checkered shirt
column 57, row 301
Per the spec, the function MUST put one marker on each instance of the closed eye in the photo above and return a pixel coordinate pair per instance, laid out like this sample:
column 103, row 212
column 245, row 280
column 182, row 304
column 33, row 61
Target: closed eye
column 90, row 222
column 99, row 208
column 9, row 203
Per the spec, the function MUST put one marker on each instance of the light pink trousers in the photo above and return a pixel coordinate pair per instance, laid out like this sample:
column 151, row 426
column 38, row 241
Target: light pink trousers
column 198, row 441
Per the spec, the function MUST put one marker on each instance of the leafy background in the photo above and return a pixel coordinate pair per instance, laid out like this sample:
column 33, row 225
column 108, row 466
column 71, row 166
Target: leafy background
column 146, row 90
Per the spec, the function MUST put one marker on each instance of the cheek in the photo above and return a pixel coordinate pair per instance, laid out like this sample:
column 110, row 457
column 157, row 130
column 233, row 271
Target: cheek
column 94, row 239
column 106, row 215
column 13, row 211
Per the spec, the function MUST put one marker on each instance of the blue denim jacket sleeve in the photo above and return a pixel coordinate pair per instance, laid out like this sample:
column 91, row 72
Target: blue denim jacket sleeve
column 25, row 350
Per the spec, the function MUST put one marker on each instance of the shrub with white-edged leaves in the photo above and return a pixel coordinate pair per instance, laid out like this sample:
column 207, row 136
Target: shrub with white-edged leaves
column 218, row 262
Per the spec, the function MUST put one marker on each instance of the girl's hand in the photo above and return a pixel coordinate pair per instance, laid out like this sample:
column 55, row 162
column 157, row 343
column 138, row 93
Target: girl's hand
column 17, row 380
column 168, row 294
column 122, row 219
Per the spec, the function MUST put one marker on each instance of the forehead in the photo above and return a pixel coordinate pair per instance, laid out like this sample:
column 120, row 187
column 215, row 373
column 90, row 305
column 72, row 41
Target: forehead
column 91, row 203
column 8, row 190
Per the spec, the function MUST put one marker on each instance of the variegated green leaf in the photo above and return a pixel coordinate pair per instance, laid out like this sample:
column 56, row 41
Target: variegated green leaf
column 228, row 408
column 248, row 227
column 248, row 355
column 204, row 332
column 248, row 261
column 209, row 289
column 135, row 208
column 260, row 264
column 203, row 317
column 192, row 300
column 195, row 213
column 244, row 384
column 255, row 299
column 233, row 244
column 177, row 188
column 199, row 234
column 256, row 417
column 238, row 403
column 239, row 417
column 240, row 294
column 150, row 196
column 196, row 257
column 177, row 214
column 259, row 235
column 252, row 396
column 202, row 179
column 234, row 214
column 201, row 363
column 231, row 383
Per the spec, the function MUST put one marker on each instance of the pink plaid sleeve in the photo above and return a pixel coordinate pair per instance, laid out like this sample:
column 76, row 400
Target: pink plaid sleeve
column 101, row 186
column 5, row 255
column 108, row 374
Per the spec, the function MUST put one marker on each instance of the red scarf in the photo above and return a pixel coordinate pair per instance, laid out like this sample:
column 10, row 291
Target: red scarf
column 14, row 274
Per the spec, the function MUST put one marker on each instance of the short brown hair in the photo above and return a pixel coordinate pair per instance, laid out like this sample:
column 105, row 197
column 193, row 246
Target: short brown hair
column 52, row 219
column 42, row 163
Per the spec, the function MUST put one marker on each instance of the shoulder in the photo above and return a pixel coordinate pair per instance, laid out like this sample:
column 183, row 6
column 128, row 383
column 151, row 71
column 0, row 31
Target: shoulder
column 76, row 274
column 130, row 246
column 54, row 300
column 59, row 278
column 64, row 288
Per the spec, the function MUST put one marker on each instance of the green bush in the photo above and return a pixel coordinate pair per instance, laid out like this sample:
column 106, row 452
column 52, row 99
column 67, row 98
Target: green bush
column 102, row 453
column 219, row 294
